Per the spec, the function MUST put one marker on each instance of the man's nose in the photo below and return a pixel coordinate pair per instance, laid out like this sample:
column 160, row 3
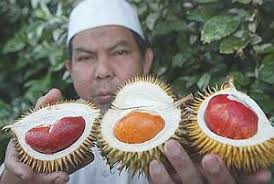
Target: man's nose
column 104, row 69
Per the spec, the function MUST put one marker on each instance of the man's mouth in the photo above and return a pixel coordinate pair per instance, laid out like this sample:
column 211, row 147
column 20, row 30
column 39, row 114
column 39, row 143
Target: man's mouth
column 103, row 98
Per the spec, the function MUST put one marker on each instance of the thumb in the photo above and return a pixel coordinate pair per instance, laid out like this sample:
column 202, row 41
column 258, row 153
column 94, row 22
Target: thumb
column 52, row 97
column 13, row 165
column 58, row 177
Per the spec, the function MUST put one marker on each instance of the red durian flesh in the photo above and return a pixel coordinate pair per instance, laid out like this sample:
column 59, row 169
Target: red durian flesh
column 227, row 116
column 56, row 137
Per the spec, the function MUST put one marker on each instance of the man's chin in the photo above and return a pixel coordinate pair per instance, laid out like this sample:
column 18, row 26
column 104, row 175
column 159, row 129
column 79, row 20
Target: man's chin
column 104, row 107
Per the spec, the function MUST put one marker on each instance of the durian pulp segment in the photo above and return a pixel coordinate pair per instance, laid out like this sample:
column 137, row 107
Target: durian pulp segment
column 138, row 127
column 143, row 93
column 265, row 130
column 148, row 97
column 247, row 155
column 171, row 118
column 146, row 94
column 64, row 159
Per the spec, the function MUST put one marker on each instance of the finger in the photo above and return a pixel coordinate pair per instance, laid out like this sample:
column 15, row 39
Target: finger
column 181, row 162
column 263, row 176
column 215, row 171
column 158, row 174
column 52, row 97
column 13, row 165
column 52, row 178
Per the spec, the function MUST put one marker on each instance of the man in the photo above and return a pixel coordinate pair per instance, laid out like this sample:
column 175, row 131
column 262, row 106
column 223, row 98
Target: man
column 107, row 46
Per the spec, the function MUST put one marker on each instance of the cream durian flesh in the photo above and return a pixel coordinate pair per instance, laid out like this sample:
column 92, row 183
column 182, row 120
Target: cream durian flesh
column 227, row 122
column 143, row 116
column 56, row 137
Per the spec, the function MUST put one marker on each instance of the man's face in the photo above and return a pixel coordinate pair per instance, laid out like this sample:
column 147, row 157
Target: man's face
column 102, row 58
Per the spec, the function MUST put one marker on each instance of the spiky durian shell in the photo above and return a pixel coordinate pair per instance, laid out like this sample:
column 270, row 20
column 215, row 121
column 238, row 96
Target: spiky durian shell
column 63, row 160
column 137, row 161
column 247, row 155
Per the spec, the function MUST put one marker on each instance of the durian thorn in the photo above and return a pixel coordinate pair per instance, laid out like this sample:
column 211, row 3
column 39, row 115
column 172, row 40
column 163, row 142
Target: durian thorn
column 8, row 127
column 183, row 100
column 229, row 82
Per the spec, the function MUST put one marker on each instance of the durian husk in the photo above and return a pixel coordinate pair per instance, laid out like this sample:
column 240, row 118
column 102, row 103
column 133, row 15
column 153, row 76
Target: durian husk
column 67, row 163
column 138, row 162
column 246, row 159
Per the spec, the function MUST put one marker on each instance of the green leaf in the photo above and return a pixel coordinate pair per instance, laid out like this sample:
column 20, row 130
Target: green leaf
column 242, row 1
column 4, row 110
column 151, row 20
column 268, row 59
column 231, row 44
column 178, row 60
column 183, row 84
column 219, row 27
column 180, row 86
column 264, row 48
column 37, row 87
column 259, row 2
column 204, row 81
column 263, row 100
column 171, row 24
column 14, row 45
column 241, row 78
column 266, row 73
column 200, row 15
column 181, row 58
column 206, row 1
column 34, row 3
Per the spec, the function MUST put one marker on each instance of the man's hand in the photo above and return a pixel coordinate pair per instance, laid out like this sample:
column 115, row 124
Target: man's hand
column 17, row 172
column 212, row 169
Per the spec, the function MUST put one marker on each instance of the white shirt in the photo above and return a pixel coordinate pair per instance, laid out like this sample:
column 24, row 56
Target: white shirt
column 98, row 172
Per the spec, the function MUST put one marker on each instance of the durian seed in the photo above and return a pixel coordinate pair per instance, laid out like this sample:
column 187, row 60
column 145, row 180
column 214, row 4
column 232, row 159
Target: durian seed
column 138, row 127
column 50, row 139
column 227, row 116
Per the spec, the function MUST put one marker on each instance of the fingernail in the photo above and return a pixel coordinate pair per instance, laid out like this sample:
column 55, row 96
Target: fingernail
column 66, row 178
column 156, row 168
column 211, row 164
column 266, row 177
column 172, row 148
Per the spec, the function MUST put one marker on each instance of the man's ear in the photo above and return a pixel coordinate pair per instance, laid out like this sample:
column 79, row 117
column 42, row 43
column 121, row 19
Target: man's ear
column 148, row 60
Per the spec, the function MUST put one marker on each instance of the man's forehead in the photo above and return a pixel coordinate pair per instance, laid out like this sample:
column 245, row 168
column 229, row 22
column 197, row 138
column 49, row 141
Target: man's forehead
column 106, row 35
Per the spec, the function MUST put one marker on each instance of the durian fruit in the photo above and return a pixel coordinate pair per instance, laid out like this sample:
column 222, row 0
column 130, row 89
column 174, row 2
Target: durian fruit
column 56, row 137
column 229, row 123
column 143, row 116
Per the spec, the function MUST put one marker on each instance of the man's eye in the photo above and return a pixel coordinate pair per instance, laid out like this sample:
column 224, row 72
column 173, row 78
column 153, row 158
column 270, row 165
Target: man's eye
column 83, row 58
column 120, row 52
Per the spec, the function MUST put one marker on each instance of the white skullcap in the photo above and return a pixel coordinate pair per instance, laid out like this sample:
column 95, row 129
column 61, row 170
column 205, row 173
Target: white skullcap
column 94, row 13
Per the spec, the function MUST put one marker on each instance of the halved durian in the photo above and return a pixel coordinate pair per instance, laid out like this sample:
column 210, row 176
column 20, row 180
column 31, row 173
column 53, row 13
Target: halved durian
column 56, row 137
column 245, row 143
column 143, row 116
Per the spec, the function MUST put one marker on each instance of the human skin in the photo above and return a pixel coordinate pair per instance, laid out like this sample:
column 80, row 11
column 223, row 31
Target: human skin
column 102, row 58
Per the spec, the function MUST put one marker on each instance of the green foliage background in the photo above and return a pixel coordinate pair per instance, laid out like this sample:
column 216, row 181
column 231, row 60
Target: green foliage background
column 196, row 44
